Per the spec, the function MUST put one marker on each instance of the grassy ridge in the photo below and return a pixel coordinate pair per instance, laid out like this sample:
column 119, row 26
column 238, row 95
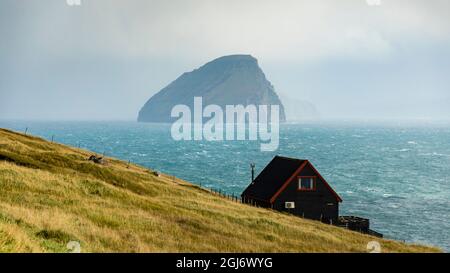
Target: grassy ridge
column 50, row 195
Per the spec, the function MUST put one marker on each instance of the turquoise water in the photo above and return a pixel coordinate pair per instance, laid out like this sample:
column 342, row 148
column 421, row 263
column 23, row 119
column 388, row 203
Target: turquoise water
column 398, row 176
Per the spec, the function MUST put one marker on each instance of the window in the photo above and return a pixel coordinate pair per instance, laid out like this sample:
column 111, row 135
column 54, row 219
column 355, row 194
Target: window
column 307, row 183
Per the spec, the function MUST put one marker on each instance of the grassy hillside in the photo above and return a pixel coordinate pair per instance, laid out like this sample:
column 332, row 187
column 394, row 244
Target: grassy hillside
column 51, row 194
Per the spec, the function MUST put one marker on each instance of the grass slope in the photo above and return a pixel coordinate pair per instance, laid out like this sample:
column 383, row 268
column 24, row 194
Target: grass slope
column 50, row 195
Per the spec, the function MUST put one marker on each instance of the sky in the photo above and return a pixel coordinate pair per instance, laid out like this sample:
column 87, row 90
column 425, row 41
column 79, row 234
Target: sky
column 103, row 59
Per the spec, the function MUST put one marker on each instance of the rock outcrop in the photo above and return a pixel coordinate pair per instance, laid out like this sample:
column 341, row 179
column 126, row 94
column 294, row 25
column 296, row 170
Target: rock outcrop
column 229, row 80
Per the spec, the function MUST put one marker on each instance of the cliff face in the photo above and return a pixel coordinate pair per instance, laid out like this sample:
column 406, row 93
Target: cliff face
column 229, row 80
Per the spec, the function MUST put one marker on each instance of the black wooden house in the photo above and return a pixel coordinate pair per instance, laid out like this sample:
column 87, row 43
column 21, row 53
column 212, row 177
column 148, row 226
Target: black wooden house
column 294, row 186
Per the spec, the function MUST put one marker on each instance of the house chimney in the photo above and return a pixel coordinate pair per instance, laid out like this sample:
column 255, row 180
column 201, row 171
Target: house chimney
column 252, row 165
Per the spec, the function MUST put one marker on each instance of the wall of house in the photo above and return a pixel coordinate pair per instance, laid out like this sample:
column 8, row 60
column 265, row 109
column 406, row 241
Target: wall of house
column 254, row 202
column 317, row 205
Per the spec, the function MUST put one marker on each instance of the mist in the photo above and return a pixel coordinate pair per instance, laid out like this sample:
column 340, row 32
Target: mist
column 104, row 59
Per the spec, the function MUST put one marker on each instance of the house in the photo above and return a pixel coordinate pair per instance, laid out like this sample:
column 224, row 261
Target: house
column 294, row 186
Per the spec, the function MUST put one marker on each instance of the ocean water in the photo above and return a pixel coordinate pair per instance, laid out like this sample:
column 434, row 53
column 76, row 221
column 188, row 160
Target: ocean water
column 397, row 176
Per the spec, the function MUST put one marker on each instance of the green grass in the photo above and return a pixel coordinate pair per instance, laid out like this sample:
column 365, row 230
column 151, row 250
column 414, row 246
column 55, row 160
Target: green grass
column 50, row 194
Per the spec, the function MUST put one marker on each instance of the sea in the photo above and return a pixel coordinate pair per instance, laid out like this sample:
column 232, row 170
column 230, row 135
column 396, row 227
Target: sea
column 395, row 174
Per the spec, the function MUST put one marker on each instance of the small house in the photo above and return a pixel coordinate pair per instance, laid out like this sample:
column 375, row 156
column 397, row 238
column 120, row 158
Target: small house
column 294, row 186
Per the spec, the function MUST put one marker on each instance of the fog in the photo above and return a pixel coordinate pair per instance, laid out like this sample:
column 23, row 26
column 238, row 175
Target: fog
column 104, row 59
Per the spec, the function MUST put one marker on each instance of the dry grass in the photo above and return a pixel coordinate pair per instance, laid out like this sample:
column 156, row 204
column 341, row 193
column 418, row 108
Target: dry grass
column 50, row 195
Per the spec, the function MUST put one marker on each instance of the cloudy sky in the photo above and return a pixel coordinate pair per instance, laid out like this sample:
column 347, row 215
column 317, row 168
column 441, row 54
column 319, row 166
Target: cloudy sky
column 103, row 59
